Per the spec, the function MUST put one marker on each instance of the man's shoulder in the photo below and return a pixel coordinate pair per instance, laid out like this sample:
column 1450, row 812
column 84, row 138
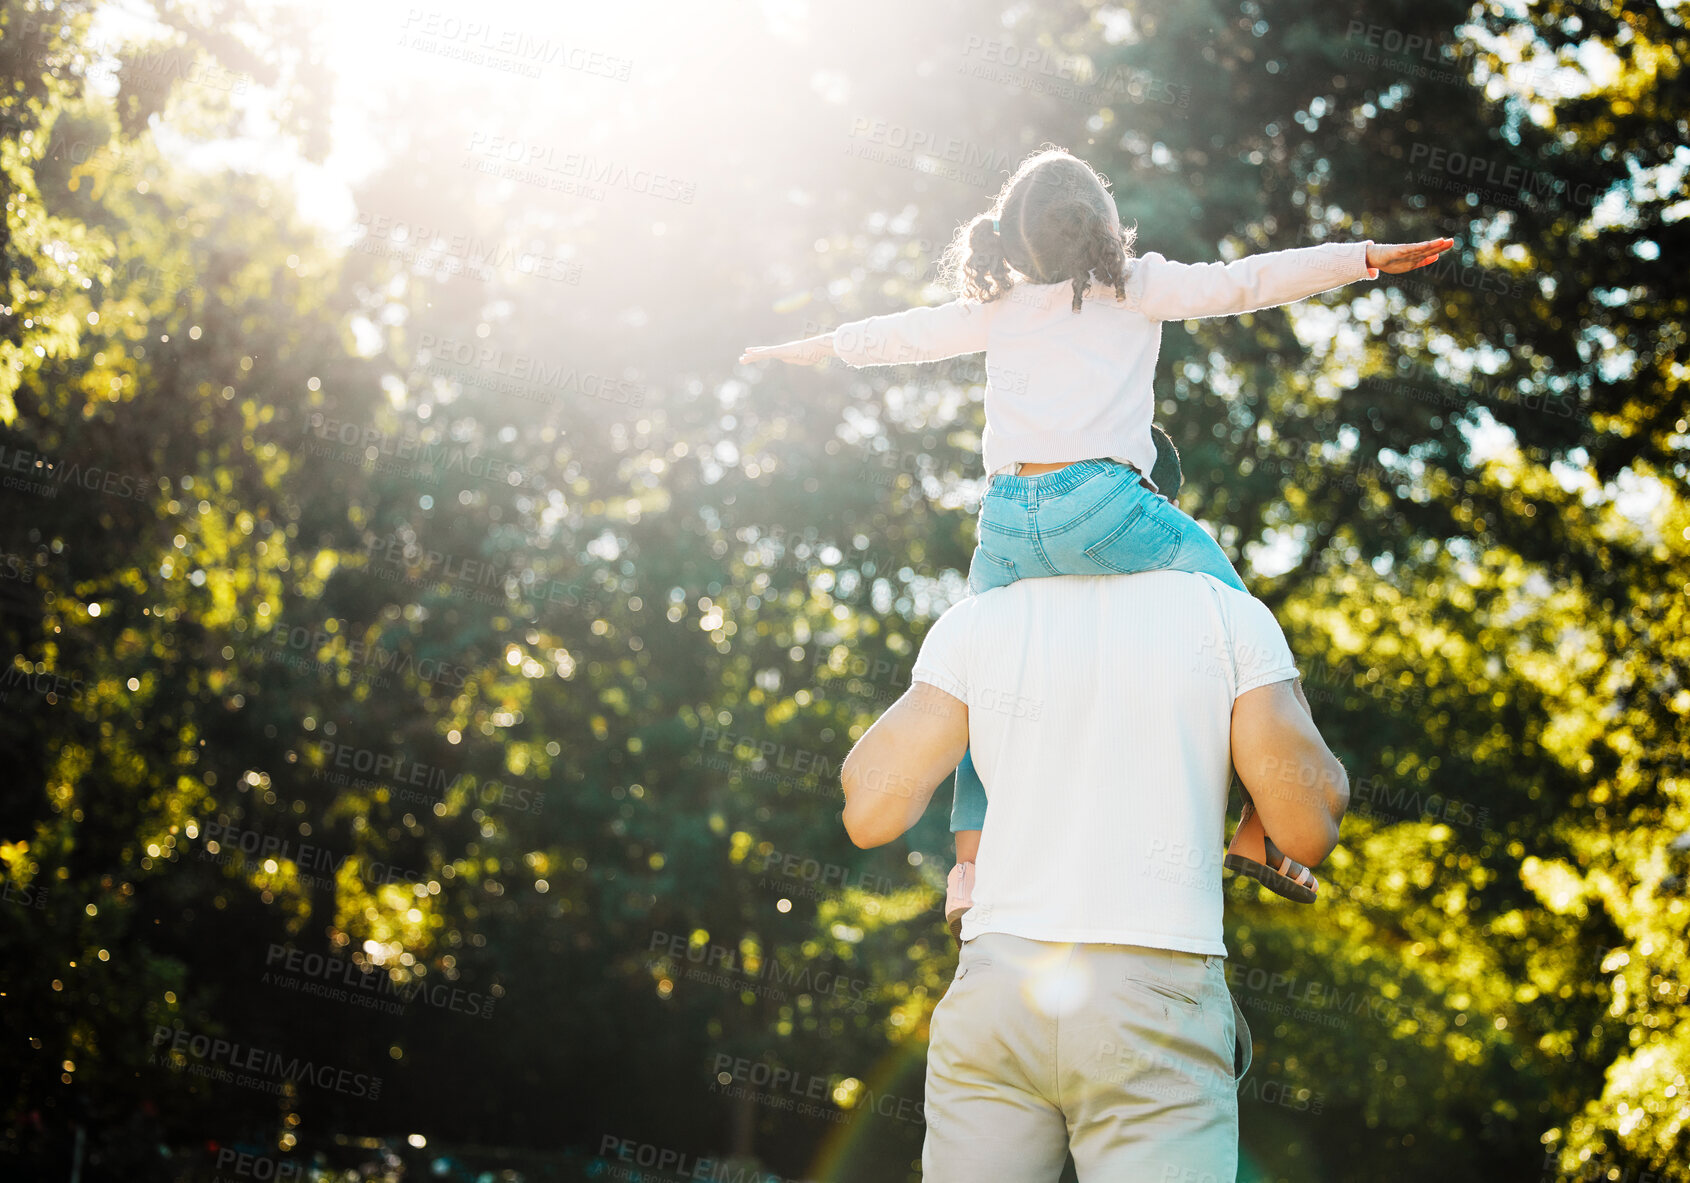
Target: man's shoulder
column 1166, row 595
column 1076, row 587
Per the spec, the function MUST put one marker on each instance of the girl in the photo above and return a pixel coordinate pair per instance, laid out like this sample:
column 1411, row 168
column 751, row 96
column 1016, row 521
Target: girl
column 1069, row 442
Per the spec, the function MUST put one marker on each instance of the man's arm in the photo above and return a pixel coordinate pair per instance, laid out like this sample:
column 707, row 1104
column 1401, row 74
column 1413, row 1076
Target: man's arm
column 890, row 775
column 1300, row 789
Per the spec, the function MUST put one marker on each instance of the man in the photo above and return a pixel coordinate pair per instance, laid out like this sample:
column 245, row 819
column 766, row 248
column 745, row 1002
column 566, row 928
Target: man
column 1089, row 1012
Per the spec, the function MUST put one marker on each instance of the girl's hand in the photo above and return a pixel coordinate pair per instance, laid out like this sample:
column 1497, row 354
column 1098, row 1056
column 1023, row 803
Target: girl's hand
column 807, row 352
column 1395, row 259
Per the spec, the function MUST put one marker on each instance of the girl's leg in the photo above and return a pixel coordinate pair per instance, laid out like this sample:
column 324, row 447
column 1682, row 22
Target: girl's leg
column 1197, row 551
column 968, row 816
column 967, row 845
column 1253, row 853
column 968, row 811
column 968, row 807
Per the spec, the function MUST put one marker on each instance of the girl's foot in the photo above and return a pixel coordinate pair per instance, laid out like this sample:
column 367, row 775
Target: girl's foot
column 959, row 897
column 1253, row 853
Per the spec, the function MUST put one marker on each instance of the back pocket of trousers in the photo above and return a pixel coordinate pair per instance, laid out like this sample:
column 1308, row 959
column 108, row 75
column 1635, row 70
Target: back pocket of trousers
column 1164, row 990
column 989, row 570
column 1140, row 543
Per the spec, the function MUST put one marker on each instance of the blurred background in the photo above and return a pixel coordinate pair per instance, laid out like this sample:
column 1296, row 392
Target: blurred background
column 426, row 656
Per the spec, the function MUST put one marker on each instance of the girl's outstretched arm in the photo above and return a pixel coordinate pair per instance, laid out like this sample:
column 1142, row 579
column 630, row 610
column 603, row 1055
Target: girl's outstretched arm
column 925, row 333
column 1165, row 290
column 807, row 352
column 1394, row 260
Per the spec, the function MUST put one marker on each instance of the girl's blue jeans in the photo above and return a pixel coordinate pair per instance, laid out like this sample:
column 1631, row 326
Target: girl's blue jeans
column 1090, row 518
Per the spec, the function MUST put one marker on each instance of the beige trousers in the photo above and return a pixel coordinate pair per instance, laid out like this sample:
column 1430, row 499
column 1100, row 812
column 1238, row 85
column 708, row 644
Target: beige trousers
column 1127, row 1056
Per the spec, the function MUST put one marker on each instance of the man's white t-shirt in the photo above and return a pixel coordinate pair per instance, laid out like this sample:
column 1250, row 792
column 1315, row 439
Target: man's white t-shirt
column 1100, row 720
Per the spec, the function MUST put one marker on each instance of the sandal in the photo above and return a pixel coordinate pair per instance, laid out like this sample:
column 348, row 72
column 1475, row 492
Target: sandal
column 1274, row 870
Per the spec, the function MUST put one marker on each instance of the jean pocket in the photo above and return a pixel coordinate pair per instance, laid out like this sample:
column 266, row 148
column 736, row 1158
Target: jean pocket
column 1139, row 542
column 989, row 570
column 1167, row 990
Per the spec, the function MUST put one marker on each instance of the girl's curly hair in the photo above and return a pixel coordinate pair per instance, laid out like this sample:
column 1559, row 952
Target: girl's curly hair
column 1056, row 222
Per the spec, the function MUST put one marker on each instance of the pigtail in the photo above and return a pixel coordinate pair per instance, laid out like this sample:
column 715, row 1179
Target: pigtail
column 1100, row 250
column 974, row 265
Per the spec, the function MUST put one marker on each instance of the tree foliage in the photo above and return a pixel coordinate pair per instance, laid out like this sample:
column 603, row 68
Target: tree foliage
column 325, row 638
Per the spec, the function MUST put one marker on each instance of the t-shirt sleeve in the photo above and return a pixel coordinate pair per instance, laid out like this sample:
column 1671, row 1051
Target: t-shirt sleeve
column 943, row 660
column 1261, row 654
column 914, row 335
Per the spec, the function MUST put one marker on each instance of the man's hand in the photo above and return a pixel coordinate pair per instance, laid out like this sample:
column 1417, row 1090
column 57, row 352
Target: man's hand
column 1394, row 259
column 807, row 352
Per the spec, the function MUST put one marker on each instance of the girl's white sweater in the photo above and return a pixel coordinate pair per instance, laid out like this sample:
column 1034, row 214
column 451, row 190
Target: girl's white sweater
column 1064, row 385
